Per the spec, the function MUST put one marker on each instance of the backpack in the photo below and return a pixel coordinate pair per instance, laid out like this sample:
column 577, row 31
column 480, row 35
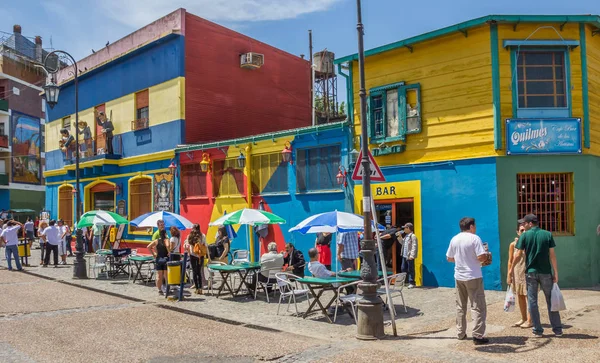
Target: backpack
column 200, row 249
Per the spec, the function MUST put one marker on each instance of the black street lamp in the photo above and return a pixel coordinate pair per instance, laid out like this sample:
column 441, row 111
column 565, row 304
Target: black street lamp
column 241, row 161
column 370, row 315
column 51, row 91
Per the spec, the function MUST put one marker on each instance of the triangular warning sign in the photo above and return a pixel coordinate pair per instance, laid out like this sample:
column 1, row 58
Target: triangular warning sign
column 376, row 174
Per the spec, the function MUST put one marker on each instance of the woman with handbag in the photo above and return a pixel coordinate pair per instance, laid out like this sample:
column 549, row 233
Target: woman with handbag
column 196, row 246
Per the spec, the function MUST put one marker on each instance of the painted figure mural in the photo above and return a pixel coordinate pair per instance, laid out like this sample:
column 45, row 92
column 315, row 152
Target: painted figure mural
column 163, row 192
column 25, row 137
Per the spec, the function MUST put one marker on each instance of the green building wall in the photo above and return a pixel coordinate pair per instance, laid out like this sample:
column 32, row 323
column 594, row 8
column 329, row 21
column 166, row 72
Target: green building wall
column 27, row 199
column 579, row 255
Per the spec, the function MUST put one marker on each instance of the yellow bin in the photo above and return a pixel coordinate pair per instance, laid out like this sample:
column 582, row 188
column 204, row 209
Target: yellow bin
column 22, row 250
column 174, row 272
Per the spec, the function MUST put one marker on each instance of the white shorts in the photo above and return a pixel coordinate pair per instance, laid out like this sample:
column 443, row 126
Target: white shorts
column 62, row 247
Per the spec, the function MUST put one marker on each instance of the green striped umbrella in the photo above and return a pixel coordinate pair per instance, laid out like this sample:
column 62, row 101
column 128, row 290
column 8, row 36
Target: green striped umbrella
column 248, row 216
column 100, row 217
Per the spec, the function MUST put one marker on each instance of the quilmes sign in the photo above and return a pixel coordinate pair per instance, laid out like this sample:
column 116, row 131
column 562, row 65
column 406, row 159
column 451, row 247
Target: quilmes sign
column 543, row 136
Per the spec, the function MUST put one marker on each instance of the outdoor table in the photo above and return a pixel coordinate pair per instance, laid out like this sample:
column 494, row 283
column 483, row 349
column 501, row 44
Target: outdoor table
column 326, row 284
column 138, row 262
column 355, row 274
column 113, row 268
column 242, row 270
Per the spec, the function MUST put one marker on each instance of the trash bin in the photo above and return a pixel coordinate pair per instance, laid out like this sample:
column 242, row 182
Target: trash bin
column 174, row 272
column 24, row 250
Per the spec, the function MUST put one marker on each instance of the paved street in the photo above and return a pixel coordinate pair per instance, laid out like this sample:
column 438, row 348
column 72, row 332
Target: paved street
column 46, row 316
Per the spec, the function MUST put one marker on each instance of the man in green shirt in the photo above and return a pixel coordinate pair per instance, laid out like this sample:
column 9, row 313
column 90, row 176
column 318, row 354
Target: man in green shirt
column 161, row 225
column 540, row 261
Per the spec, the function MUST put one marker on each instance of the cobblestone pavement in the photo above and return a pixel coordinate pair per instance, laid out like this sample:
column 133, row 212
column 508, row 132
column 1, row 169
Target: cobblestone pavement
column 47, row 316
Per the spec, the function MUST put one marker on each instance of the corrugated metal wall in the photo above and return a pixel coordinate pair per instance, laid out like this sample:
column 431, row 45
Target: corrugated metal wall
column 224, row 101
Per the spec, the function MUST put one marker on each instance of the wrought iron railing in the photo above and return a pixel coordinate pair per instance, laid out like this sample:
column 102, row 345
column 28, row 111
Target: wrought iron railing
column 140, row 124
column 3, row 140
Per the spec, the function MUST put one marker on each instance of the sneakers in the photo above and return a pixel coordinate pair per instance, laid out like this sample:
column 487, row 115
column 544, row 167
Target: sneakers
column 537, row 335
column 411, row 286
column 480, row 341
column 462, row 337
column 160, row 292
column 558, row 335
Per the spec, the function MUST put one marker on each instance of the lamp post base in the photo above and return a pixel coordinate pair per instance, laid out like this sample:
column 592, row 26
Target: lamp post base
column 79, row 266
column 370, row 314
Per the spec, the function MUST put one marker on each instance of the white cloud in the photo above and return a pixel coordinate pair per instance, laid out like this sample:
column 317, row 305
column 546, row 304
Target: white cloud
column 137, row 13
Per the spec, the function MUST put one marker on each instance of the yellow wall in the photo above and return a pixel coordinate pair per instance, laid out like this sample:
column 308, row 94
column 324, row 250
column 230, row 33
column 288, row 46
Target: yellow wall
column 407, row 189
column 593, row 62
column 166, row 102
column 455, row 75
column 524, row 31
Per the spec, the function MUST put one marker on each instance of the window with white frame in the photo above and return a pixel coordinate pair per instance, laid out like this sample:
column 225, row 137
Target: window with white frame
column 395, row 111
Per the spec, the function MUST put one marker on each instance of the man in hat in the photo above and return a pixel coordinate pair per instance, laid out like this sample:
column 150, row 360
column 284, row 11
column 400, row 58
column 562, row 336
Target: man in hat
column 107, row 130
column 541, row 269
column 86, row 147
column 409, row 253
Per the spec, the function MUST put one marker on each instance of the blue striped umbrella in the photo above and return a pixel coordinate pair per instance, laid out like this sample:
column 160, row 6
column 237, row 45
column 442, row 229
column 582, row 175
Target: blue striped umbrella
column 171, row 220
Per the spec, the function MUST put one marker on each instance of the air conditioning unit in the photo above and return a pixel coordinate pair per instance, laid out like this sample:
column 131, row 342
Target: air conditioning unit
column 252, row 60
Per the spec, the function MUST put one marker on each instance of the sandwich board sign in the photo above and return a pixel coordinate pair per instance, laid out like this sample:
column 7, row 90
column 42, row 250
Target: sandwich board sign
column 376, row 174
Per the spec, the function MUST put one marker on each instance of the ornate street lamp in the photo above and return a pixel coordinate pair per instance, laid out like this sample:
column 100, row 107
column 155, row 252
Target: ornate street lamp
column 172, row 168
column 353, row 158
column 52, row 64
column 241, row 161
column 205, row 163
column 341, row 176
column 286, row 153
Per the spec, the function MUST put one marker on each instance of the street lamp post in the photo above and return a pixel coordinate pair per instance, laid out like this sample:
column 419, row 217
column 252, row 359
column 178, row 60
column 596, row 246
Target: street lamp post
column 370, row 314
column 52, row 91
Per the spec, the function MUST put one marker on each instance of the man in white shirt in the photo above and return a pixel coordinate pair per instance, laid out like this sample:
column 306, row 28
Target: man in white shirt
column 316, row 268
column 270, row 261
column 467, row 252
column 11, row 236
column 52, row 239
column 29, row 230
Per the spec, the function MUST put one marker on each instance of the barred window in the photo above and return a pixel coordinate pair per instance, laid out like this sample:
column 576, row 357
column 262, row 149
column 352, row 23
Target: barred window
column 269, row 174
column 550, row 198
column 541, row 79
column 193, row 181
column 316, row 168
column 228, row 178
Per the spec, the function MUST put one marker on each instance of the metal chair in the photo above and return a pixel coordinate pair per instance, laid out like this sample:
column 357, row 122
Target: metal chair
column 289, row 289
column 212, row 276
column 349, row 299
column 269, row 284
column 395, row 288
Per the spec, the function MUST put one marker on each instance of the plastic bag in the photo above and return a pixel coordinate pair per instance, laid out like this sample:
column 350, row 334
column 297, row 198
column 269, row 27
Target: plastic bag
column 509, row 301
column 556, row 299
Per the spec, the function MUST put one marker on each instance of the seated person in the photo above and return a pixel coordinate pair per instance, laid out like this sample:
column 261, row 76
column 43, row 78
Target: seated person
column 270, row 261
column 316, row 268
column 294, row 259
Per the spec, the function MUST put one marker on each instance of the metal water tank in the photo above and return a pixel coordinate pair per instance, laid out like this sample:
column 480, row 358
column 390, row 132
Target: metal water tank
column 324, row 61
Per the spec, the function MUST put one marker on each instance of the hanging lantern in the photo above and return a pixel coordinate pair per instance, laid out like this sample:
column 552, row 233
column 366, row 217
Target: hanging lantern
column 286, row 153
column 51, row 91
column 341, row 176
column 172, row 167
column 241, row 161
column 205, row 163
column 353, row 157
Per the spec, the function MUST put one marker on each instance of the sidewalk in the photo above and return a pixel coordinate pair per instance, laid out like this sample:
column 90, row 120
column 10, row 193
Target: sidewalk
column 426, row 331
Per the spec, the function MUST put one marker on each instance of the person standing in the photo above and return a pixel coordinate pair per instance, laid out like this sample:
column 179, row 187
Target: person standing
column 389, row 239
column 160, row 250
column 466, row 251
column 40, row 228
column 196, row 246
column 51, row 237
column 175, row 240
column 409, row 253
column 36, row 226
column 221, row 245
column 97, row 237
column 323, row 246
column 347, row 249
column 542, row 271
column 11, row 236
column 62, row 247
column 519, row 283
column 107, row 130
column 29, row 230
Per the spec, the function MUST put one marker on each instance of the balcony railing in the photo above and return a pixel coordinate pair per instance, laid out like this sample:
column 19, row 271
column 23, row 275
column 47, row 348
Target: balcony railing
column 92, row 148
column 3, row 105
column 3, row 140
column 140, row 124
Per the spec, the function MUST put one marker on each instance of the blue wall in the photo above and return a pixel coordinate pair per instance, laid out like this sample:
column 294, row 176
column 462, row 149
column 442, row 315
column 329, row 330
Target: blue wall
column 150, row 65
column 157, row 138
column 5, row 199
column 450, row 191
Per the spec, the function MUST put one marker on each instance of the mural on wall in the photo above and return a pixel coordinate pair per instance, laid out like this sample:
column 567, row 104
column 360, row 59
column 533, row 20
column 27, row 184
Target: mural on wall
column 25, row 136
column 164, row 190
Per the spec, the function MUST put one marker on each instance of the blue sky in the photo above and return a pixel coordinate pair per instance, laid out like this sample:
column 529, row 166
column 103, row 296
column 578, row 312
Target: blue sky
column 78, row 26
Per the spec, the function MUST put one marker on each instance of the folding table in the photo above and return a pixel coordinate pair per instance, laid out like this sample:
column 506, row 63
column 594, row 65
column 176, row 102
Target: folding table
column 241, row 269
column 138, row 262
column 325, row 284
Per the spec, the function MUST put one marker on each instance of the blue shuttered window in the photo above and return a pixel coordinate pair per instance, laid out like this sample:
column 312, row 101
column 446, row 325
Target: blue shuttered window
column 316, row 168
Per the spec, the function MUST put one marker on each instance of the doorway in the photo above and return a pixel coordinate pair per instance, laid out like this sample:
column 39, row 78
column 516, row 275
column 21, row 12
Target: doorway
column 395, row 212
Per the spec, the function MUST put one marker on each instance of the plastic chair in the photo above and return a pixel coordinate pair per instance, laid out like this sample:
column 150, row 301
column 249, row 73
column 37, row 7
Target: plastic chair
column 100, row 264
column 212, row 276
column 349, row 299
column 240, row 256
column 395, row 288
column 266, row 285
column 289, row 290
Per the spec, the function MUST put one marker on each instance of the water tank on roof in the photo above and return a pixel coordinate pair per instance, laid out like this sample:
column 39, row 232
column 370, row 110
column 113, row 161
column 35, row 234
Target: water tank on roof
column 324, row 61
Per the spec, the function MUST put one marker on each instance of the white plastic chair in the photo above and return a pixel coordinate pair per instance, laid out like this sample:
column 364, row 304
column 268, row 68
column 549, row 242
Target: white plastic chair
column 289, row 290
column 266, row 285
column 396, row 288
column 349, row 299
column 240, row 256
column 100, row 264
column 213, row 276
